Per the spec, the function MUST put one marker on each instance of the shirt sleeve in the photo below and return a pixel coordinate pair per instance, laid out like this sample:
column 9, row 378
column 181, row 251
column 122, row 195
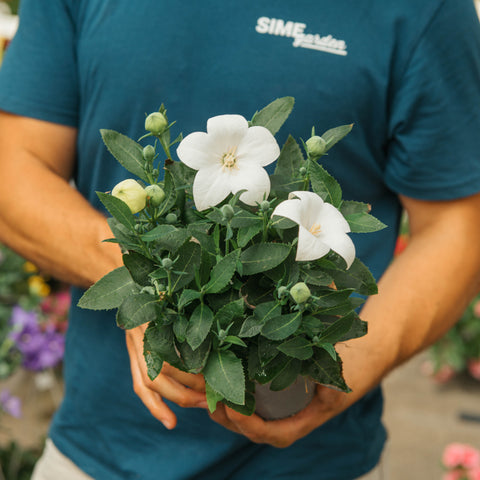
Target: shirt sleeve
column 434, row 148
column 38, row 76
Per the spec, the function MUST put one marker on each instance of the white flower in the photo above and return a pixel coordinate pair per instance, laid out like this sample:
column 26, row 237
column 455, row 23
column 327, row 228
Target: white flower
column 321, row 227
column 229, row 158
column 132, row 193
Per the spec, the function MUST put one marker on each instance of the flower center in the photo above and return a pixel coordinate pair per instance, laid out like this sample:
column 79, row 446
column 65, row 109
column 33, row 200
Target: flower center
column 229, row 159
column 315, row 229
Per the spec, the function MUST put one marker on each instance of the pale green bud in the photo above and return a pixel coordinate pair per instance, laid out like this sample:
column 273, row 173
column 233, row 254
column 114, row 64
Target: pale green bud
column 265, row 206
column 155, row 194
column 156, row 123
column 132, row 193
column 282, row 292
column 167, row 263
column 302, row 171
column 171, row 218
column 316, row 146
column 149, row 153
column 300, row 292
column 227, row 212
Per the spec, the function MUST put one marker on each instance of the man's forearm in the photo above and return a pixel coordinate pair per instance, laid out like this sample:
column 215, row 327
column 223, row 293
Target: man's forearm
column 422, row 293
column 41, row 216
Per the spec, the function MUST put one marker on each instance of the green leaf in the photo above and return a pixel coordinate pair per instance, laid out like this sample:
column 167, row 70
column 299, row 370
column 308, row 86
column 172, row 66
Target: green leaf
column 188, row 296
column 118, row 209
column 195, row 359
column 127, row 239
column 110, row 291
column 245, row 234
column 336, row 331
column 287, row 376
column 357, row 277
column 251, row 327
column 158, row 232
column 266, row 311
column 127, row 152
column 274, row 115
column 161, row 344
column 280, row 327
column 172, row 240
column 229, row 312
column 350, row 207
column 247, row 409
column 137, row 309
column 332, row 298
column 170, row 194
column 290, row 160
column 222, row 272
column 316, row 277
column 263, row 256
column 243, row 218
column 324, row 370
column 235, row 341
column 224, row 373
column 153, row 360
column 213, row 398
column 364, row 223
column 187, row 263
column 324, row 185
column 199, row 325
column 180, row 325
column 282, row 186
column 139, row 267
column 330, row 349
column 297, row 347
column 334, row 135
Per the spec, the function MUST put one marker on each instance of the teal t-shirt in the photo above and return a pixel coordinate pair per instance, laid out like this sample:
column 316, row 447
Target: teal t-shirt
column 407, row 74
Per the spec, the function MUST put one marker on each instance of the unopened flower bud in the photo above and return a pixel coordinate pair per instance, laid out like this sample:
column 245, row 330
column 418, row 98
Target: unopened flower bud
column 282, row 292
column 167, row 263
column 300, row 292
column 155, row 194
column 302, row 171
column 315, row 146
column 132, row 193
column 171, row 218
column 156, row 123
column 227, row 212
column 148, row 153
column 265, row 206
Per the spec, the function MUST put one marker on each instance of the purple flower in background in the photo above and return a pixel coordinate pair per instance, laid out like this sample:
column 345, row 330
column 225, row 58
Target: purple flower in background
column 40, row 347
column 10, row 404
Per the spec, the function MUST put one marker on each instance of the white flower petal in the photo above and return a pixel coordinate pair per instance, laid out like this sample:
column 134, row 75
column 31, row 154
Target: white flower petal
column 196, row 150
column 309, row 247
column 332, row 219
column 342, row 244
column 226, row 131
column 210, row 187
column 258, row 146
column 311, row 206
column 253, row 178
column 290, row 209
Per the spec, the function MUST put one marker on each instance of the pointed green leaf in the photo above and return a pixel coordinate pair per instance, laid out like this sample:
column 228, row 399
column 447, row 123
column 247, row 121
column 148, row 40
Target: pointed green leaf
column 158, row 232
column 161, row 344
column 187, row 263
column 139, row 267
column 127, row 152
column 199, row 325
column 357, row 277
column 195, row 359
column 334, row 135
column 364, row 223
column 137, row 309
column 224, row 373
column 245, row 234
column 273, row 116
column 170, row 194
column 180, row 325
column 125, row 236
column 188, row 296
column 297, row 347
column 324, row 185
column 229, row 312
column 279, row 328
column 222, row 272
column 326, row 371
column 287, row 376
column 251, row 327
column 333, row 333
column 153, row 360
column 213, row 398
column 110, row 291
column 330, row 349
column 118, row 209
column 290, row 160
column 263, row 256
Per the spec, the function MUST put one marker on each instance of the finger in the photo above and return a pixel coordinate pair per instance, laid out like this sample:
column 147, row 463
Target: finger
column 194, row 381
column 152, row 400
column 221, row 418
